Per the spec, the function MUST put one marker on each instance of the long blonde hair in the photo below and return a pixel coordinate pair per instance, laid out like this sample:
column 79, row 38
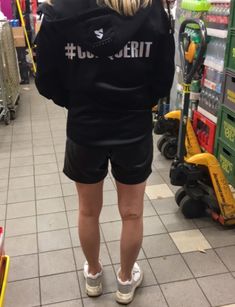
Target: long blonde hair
column 124, row 7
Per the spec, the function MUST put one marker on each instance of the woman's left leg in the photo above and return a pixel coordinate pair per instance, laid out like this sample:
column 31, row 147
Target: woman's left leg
column 130, row 202
column 90, row 205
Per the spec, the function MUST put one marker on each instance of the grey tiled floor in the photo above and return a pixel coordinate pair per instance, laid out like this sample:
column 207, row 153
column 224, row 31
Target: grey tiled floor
column 187, row 263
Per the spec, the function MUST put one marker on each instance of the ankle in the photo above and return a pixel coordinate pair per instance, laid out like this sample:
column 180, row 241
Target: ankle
column 94, row 269
column 124, row 277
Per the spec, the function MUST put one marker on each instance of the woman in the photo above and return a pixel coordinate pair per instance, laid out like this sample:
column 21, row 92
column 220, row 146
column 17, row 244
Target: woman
column 107, row 62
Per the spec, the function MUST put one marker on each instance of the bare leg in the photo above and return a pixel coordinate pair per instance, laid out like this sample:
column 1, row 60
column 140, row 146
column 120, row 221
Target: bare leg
column 90, row 205
column 130, row 202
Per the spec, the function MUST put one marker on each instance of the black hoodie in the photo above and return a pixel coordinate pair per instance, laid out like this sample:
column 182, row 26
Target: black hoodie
column 107, row 69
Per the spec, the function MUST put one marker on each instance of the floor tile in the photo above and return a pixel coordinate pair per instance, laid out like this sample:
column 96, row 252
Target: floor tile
column 148, row 209
column 109, row 214
column 176, row 222
column 21, row 226
column 219, row 289
column 165, row 205
column 21, row 245
column 4, row 173
column 21, row 182
column 21, row 161
column 50, row 205
column 110, row 198
column 43, row 159
column 203, row 264
column 71, row 202
column 170, row 268
column 190, row 241
column 42, row 150
column 21, row 210
column 112, row 230
column 42, row 142
column 21, row 171
column 23, row 267
column 74, row 237
column 184, row 294
column 60, row 158
column 218, row 236
column 3, row 197
column 147, row 295
column 5, row 152
column 60, row 148
column 47, row 168
column 4, row 163
column 69, row 189
column 158, row 191
column 153, row 225
column 23, row 293
column 204, row 222
column 3, row 184
column 47, row 180
column 2, row 212
column 227, row 255
column 159, row 245
column 74, row 303
column 61, row 287
column 114, row 252
column 64, row 178
column 72, row 218
column 52, row 221
column 21, row 195
column 80, row 258
column 108, row 185
column 51, row 191
column 54, row 240
column 22, row 152
column 155, row 178
column 109, row 281
column 56, row 262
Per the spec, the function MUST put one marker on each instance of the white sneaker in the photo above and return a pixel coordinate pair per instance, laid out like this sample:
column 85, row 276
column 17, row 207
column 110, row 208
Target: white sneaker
column 126, row 290
column 93, row 282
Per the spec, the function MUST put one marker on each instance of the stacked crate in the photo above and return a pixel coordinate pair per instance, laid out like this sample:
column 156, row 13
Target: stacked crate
column 225, row 140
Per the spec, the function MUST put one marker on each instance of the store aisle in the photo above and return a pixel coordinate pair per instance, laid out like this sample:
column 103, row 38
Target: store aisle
column 187, row 263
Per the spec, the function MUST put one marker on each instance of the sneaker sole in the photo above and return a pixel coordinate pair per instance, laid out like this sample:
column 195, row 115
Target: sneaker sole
column 127, row 298
column 94, row 291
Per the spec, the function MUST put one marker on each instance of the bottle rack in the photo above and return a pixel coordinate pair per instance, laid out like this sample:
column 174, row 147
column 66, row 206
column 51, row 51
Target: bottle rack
column 217, row 19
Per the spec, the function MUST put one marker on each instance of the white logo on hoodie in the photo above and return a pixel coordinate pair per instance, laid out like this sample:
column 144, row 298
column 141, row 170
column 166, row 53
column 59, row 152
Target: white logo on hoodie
column 132, row 50
column 99, row 33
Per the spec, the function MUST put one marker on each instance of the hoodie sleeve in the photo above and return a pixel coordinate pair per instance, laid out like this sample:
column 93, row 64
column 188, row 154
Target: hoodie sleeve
column 165, row 66
column 48, row 77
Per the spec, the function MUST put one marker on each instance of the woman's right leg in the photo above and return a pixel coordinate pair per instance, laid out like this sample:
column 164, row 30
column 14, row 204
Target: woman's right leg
column 90, row 204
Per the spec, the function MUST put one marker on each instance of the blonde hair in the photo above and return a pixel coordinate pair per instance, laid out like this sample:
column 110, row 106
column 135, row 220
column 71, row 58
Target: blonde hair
column 124, row 7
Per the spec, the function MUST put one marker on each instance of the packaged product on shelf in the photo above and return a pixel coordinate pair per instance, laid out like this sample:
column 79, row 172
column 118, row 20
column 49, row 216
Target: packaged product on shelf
column 218, row 16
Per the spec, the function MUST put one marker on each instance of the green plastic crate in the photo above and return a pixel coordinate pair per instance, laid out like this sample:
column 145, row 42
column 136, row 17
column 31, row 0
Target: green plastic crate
column 228, row 98
column 226, row 127
column 230, row 52
column 226, row 157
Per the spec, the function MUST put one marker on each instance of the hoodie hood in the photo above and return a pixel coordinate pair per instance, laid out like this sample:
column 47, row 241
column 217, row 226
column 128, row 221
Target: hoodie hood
column 98, row 30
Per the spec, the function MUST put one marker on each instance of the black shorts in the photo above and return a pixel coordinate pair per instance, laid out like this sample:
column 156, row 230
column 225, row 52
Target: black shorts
column 130, row 164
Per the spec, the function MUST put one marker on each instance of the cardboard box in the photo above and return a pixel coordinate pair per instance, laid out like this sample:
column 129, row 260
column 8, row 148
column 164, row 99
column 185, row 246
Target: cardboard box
column 18, row 34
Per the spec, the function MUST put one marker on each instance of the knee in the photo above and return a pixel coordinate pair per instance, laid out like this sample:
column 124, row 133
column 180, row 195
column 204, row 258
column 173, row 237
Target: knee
column 89, row 211
column 129, row 215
